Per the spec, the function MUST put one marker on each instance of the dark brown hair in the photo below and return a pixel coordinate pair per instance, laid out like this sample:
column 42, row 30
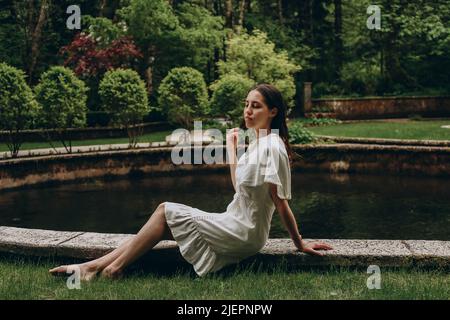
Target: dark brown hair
column 274, row 99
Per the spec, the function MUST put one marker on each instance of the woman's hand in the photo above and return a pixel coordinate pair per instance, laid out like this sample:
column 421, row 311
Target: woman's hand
column 232, row 138
column 313, row 247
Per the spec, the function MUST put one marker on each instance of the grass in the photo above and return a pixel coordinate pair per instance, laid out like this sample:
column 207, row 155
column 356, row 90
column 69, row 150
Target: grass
column 417, row 130
column 25, row 279
column 150, row 137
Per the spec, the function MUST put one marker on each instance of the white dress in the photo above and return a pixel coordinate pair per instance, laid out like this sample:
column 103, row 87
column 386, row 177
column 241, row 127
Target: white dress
column 210, row 241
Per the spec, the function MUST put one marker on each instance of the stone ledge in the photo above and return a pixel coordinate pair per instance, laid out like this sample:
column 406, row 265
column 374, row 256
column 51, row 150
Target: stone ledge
column 33, row 242
column 379, row 141
column 355, row 253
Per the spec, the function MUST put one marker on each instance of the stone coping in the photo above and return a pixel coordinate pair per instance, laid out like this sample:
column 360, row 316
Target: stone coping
column 398, row 142
column 353, row 146
column 163, row 147
column 379, row 98
column 347, row 253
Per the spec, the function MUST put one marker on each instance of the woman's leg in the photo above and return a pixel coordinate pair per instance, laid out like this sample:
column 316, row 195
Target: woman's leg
column 89, row 269
column 155, row 230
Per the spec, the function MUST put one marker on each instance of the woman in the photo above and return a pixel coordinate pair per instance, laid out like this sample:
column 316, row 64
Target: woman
column 210, row 241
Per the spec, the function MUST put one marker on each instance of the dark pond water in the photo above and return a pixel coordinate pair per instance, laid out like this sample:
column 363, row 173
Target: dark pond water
column 326, row 206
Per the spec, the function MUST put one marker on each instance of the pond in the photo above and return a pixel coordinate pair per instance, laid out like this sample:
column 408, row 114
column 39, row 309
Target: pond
column 326, row 206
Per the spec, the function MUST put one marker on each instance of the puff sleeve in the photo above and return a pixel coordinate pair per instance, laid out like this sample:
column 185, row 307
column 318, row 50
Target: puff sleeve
column 276, row 168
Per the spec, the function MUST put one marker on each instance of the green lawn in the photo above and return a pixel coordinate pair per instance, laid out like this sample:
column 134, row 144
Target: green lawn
column 20, row 279
column 419, row 130
column 150, row 137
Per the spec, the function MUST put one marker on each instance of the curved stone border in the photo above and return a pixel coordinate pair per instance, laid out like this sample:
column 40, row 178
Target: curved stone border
column 354, row 253
column 331, row 158
column 397, row 142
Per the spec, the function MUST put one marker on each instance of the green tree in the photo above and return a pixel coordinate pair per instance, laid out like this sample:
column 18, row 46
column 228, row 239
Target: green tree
column 152, row 24
column 103, row 30
column 124, row 96
column 229, row 92
column 18, row 108
column 201, row 34
column 183, row 96
column 63, row 99
column 254, row 57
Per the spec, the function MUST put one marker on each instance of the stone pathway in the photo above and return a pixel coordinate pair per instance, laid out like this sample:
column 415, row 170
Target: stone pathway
column 355, row 253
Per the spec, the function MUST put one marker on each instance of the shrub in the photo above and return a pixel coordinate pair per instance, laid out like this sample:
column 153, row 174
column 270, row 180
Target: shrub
column 183, row 96
column 316, row 122
column 18, row 107
column 229, row 93
column 62, row 97
column 298, row 134
column 124, row 96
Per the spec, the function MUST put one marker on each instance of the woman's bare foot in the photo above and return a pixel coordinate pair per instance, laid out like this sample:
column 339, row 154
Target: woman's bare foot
column 112, row 273
column 86, row 271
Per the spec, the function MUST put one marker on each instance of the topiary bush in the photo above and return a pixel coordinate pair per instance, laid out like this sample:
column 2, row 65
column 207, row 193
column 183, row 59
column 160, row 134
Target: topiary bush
column 229, row 93
column 62, row 97
column 18, row 107
column 183, row 96
column 124, row 96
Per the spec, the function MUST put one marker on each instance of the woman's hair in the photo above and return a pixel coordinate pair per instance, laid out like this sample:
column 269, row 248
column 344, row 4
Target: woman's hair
column 274, row 99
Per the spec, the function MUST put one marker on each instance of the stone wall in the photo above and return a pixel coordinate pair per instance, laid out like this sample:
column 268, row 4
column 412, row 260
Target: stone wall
column 351, row 158
column 375, row 107
column 374, row 159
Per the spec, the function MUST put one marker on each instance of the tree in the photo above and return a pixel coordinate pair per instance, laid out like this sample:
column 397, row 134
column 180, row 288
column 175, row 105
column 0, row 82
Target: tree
column 124, row 96
column 151, row 23
column 338, row 45
column 88, row 57
column 229, row 23
column 103, row 46
column 18, row 108
column 62, row 97
column 254, row 57
column 229, row 92
column 183, row 96
column 34, row 31
column 201, row 34
column 37, row 34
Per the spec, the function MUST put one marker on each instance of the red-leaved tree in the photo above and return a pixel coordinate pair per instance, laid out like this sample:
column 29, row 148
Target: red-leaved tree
column 88, row 59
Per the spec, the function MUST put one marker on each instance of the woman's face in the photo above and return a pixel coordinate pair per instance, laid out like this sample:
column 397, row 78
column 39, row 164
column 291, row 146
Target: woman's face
column 257, row 114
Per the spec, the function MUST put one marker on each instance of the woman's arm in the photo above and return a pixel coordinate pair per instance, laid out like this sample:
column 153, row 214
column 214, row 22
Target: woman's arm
column 232, row 137
column 289, row 222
